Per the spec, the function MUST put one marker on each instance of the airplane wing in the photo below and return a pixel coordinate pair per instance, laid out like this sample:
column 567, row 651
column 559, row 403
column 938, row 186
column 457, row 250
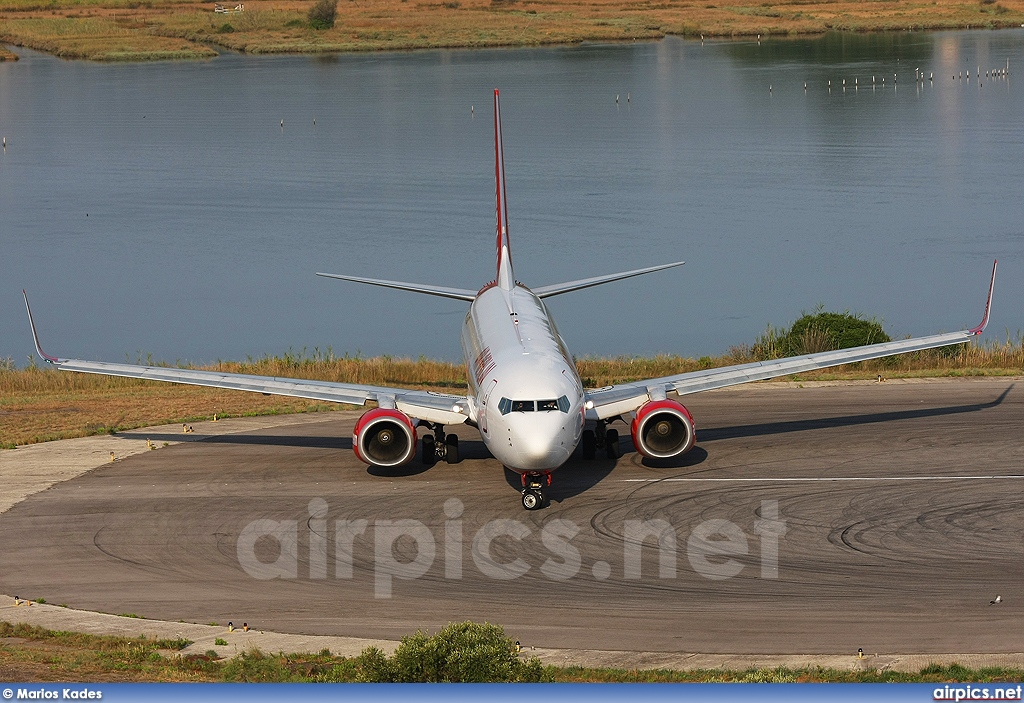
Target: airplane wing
column 604, row 403
column 419, row 404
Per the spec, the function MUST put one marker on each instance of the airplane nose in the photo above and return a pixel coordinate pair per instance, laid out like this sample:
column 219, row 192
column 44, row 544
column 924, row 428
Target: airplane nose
column 542, row 446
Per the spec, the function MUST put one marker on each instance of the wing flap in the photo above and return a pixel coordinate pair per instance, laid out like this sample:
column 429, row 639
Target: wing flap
column 297, row 388
column 762, row 370
column 435, row 407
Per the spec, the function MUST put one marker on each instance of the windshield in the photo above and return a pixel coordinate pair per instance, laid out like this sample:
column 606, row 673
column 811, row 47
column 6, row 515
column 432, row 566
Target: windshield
column 506, row 406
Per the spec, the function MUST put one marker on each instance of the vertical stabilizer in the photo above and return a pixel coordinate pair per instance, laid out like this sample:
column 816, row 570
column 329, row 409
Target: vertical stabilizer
column 505, row 277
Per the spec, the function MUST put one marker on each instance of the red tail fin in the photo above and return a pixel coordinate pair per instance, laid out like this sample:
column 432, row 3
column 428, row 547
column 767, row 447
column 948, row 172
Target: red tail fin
column 505, row 277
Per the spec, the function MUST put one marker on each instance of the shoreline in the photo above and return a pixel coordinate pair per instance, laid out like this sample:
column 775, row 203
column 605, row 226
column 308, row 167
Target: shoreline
column 169, row 30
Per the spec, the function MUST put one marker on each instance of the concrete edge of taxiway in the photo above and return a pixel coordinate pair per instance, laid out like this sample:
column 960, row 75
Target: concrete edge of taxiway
column 204, row 638
column 34, row 468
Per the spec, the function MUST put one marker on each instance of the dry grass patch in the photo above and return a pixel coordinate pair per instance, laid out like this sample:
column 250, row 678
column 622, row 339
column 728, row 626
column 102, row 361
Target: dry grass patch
column 138, row 29
column 98, row 39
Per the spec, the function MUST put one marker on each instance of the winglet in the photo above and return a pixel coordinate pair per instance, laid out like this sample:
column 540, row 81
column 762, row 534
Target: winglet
column 988, row 304
column 35, row 337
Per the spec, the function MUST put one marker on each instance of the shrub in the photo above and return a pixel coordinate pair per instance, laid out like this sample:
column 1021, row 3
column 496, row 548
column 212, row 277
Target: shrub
column 323, row 14
column 824, row 331
column 461, row 652
column 817, row 332
column 225, row 28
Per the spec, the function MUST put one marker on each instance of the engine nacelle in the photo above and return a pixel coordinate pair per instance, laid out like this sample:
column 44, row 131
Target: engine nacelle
column 663, row 429
column 384, row 437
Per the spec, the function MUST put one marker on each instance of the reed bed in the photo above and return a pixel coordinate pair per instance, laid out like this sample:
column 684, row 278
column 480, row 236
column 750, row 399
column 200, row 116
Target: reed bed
column 280, row 26
column 41, row 404
column 97, row 39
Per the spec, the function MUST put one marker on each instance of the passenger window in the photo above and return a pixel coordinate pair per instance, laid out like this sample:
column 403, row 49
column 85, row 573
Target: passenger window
column 522, row 406
column 547, row 405
column 563, row 404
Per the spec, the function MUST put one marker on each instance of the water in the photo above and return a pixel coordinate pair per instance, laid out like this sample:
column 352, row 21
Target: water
column 161, row 208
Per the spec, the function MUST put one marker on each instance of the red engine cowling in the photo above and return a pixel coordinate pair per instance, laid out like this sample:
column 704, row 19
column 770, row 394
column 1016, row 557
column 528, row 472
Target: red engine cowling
column 663, row 429
column 384, row 437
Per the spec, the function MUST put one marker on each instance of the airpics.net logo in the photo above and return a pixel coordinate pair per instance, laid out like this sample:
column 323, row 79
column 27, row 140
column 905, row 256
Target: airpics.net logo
column 406, row 550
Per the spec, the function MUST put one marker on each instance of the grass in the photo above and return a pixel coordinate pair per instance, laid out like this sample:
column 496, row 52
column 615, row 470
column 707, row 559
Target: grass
column 112, row 30
column 38, row 405
column 35, row 654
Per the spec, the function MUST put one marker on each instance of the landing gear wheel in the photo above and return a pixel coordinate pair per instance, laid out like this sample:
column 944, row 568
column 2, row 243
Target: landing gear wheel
column 429, row 450
column 611, row 444
column 588, row 443
column 451, row 449
column 533, row 499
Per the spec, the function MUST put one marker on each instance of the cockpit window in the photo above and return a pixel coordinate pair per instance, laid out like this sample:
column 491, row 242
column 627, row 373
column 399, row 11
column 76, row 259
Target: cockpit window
column 506, row 406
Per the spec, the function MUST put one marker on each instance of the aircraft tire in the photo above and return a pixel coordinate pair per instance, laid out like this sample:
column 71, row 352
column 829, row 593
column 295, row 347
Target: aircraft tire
column 588, row 443
column 451, row 449
column 429, row 453
column 532, row 499
column 611, row 444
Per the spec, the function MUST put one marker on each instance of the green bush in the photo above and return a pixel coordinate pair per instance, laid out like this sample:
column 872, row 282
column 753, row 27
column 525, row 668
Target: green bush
column 817, row 332
column 461, row 652
column 323, row 14
column 225, row 28
column 838, row 330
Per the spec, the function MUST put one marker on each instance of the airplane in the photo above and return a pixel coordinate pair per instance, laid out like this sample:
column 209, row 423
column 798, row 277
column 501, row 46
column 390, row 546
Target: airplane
column 525, row 395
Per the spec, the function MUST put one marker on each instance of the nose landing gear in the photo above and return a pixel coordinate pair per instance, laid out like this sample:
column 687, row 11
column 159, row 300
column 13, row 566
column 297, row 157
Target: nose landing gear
column 533, row 489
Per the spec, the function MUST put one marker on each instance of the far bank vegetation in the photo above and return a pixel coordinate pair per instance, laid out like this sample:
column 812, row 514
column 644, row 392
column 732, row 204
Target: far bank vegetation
column 136, row 30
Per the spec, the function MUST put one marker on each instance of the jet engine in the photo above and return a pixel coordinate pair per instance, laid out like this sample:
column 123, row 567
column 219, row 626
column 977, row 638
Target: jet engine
column 384, row 437
column 663, row 429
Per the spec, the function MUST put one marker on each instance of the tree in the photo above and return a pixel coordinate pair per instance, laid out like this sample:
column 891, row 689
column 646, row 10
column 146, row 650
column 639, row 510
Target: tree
column 323, row 14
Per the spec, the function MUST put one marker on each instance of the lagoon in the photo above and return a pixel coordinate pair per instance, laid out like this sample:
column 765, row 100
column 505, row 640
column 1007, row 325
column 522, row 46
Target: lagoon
column 161, row 209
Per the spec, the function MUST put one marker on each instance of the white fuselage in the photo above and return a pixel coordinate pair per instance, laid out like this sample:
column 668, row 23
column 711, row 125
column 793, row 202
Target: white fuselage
column 527, row 393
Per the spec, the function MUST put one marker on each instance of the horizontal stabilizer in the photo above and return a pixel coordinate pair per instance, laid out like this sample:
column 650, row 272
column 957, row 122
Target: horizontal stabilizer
column 440, row 291
column 559, row 288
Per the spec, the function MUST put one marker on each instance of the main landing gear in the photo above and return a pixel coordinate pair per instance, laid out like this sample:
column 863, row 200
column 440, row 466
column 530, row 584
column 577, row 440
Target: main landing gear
column 600, row 438
column 533, row 489
column 440, row 446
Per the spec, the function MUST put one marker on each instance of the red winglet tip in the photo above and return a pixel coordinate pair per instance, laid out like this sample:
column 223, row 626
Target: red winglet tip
column 35, row 337
column 988, row 303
